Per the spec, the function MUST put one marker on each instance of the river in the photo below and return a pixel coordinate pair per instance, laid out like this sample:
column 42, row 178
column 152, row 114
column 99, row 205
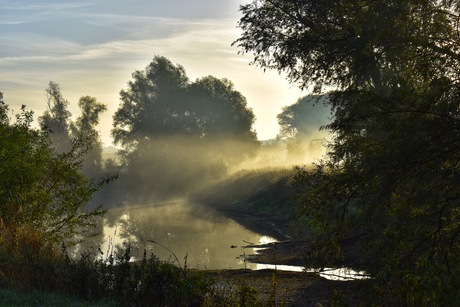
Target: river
column 191, row 235
column 183, row 234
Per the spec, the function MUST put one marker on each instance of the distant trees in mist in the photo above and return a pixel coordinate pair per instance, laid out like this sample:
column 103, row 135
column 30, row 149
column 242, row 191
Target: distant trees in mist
column 63, row 132
column 300, row 125
column 175, row 134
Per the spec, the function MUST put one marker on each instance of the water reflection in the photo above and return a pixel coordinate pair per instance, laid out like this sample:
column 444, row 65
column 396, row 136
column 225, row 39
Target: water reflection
column 200, row 237
column 183, row 233
column 343, row 274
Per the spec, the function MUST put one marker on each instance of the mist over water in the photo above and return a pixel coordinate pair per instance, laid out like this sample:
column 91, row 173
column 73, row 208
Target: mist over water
column 179, row 229
column 211, row 170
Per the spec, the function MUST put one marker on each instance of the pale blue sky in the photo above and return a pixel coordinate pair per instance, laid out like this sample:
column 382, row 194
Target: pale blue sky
column 91, row 47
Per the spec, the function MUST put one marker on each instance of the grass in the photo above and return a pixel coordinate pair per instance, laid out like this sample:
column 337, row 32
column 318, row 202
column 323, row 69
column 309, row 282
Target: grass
column 18, row 298
column 34, row 272
column 266, row 191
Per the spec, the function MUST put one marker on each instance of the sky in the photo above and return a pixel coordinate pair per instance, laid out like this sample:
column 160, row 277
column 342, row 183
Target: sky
column 92, row 47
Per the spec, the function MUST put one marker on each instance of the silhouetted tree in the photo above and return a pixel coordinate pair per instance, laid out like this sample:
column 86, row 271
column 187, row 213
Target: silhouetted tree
column 175, row 133
column 63, row 132
column 300, row 124
column 85, row 129
column 154, row 104
column 222, row 118
column 304, row 117
column 57, row 118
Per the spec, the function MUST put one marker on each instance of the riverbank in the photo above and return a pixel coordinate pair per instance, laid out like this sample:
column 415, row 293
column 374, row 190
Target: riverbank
column 289, row 288
column 282, row 288
column 263, row 202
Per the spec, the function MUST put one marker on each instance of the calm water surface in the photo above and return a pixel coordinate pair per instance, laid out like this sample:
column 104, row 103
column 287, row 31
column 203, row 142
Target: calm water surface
column 205, row 238
column 201, row 238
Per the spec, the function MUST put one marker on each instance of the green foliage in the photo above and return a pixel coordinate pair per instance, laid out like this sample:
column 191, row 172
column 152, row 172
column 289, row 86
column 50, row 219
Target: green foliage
column 161, row 101
column 14, row 298
column 3, row 111
column 350, row 44
column 27, row 259
column 39, row 188
column 390, row 180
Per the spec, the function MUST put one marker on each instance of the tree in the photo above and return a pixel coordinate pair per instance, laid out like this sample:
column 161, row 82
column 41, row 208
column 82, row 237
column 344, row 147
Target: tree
column 180, row 132
column 304, row 117
column 41, row 189
column 63, row 131
column 342, row 44
column 162, row 102
column 153, row 105
column 85, row 129
column 391, row 177
column 57, row 118
column 222, row 118
column 300, row 125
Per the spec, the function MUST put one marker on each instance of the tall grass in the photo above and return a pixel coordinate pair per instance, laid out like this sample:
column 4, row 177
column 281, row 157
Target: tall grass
column 28, row 263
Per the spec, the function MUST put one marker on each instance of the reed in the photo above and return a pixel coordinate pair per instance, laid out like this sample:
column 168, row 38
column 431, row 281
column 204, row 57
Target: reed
column 30, row 263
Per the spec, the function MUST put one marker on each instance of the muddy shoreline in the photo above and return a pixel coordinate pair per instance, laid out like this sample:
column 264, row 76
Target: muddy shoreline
column 283, row 288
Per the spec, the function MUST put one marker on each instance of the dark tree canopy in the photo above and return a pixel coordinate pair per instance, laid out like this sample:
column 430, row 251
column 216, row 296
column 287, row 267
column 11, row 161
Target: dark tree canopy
column 221, row 114
column 390, row 181
column 219, row 109
column 351, row 43
column 153, row 104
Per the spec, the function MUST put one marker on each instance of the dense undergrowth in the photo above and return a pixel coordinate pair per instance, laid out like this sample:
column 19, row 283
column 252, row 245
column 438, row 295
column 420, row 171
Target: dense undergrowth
column 29, row 264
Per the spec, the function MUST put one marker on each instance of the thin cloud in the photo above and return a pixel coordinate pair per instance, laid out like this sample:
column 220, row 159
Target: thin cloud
column 94, row 52
column 16, row 22
column 200, row 38
column 53, row 6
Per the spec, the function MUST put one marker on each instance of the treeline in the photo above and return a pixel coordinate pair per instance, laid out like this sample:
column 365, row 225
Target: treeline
column 175, row 135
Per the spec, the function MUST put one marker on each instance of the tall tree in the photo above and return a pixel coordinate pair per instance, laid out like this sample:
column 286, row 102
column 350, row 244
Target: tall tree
column 221, row 116
column 153, row 104
column 392, row 173
column 359, row 44
column 305, row 117
column 85, row 129
column 183, row 130
column 301, row 124
column 57, row 118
